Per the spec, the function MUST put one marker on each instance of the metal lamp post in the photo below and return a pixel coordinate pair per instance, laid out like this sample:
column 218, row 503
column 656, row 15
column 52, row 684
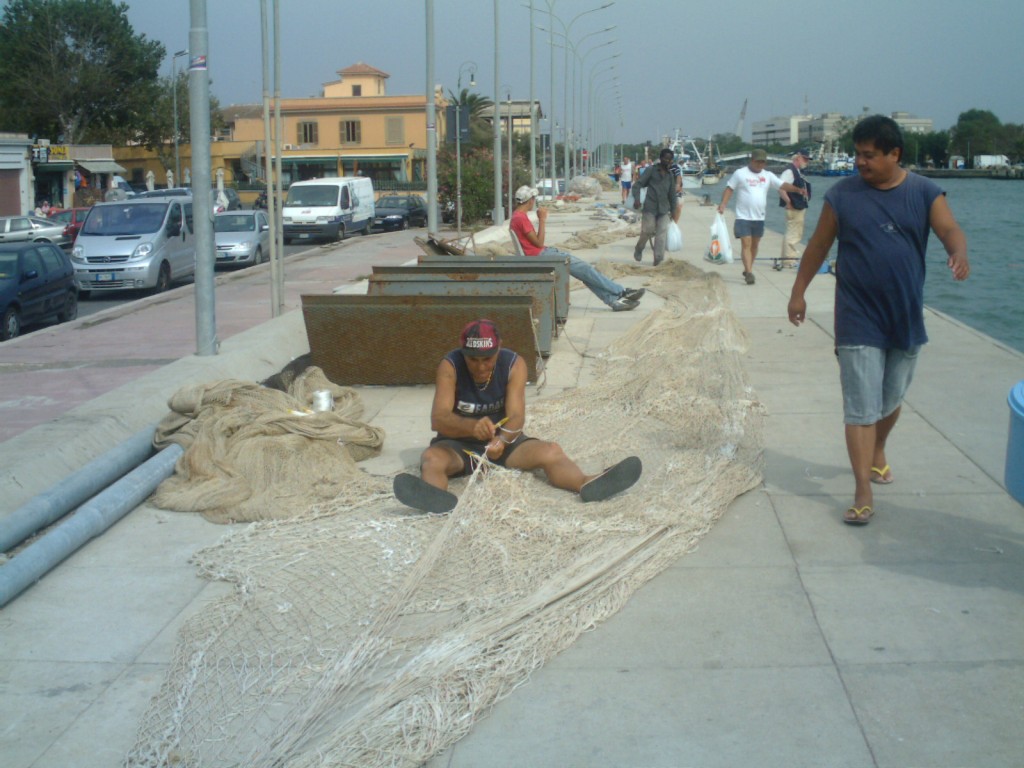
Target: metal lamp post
column 174, row 91
column 458, row 140
column 566, row 28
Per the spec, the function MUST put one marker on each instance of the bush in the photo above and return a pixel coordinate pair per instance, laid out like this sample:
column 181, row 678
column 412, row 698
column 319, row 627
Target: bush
column 477, row 180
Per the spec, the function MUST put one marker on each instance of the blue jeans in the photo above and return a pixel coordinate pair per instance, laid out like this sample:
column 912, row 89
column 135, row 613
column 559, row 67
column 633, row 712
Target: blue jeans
column 606, row 290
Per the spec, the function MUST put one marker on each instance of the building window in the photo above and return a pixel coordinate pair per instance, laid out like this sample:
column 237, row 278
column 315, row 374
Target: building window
column 307, row 133
column 394, row 131
column 357, row 90
column 351, row 132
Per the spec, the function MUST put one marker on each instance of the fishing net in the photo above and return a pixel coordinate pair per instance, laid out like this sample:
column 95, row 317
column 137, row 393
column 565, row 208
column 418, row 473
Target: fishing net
column 259, row 453
column 360, row 634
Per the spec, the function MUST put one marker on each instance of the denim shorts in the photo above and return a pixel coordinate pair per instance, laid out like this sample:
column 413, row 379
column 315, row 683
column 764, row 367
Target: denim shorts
column 874, row 381
column 748, row 228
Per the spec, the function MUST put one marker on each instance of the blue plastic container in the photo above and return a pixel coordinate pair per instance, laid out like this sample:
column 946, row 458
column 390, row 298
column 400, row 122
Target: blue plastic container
column 1014, row 478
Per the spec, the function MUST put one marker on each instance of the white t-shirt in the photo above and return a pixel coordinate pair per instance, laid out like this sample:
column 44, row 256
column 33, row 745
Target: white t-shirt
column 627, row 172
column 750, row 191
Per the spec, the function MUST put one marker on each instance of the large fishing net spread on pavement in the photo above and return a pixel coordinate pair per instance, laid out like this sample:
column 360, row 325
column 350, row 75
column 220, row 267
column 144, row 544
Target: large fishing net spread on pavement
column 359, row 634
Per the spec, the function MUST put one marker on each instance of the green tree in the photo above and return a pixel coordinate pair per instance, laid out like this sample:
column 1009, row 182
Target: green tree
column 977, row 132
column 154, row 128
column 73, row 70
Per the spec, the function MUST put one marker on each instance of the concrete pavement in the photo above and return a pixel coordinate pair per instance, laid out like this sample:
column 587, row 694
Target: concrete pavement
column 787, row 639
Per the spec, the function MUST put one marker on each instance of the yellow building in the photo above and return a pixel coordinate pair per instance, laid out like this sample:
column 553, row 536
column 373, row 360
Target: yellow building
column 353, row 128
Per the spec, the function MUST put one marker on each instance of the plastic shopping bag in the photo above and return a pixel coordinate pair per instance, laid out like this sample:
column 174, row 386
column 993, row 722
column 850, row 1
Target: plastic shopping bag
column 674, row 241
column 720, row 249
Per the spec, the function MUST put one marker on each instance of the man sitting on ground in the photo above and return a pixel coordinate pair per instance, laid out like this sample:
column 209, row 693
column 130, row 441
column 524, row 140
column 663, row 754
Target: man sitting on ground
column 479, row 410
column 532, row 242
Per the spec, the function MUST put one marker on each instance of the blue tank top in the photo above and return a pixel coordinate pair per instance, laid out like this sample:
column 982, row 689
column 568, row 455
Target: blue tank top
column 470, row 399
column 883, row 235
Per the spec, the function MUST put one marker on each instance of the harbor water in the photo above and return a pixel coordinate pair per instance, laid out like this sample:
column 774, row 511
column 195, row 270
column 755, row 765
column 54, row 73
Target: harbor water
column 991, row 213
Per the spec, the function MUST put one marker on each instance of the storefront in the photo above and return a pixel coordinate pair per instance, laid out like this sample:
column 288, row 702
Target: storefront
column 380, row 168
column 52, row 168
column 93, row 179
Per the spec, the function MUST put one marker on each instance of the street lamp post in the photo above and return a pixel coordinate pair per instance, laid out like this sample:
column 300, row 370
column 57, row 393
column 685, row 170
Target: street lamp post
column 458, row 140
column 174, row 91
column 566, row 28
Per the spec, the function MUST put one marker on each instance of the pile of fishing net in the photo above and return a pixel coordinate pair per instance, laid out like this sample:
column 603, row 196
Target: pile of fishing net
column 361, row 634
column 258, row 453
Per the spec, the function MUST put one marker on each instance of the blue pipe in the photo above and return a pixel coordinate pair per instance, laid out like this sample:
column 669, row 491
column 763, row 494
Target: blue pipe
column 51, row 505
column 88, row 521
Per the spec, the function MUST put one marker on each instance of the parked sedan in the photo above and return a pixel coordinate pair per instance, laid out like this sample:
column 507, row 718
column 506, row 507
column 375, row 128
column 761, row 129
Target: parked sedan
column 399, row 212
column 37, row 282
column 243, row 237
column 17, row 229
column 73, row 219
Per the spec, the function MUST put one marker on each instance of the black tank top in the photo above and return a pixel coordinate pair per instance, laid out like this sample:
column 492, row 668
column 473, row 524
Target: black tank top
column 470, row 399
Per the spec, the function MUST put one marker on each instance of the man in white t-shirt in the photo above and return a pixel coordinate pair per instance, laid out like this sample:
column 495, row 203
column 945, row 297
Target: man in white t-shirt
column 751, row 185
column 626, row 178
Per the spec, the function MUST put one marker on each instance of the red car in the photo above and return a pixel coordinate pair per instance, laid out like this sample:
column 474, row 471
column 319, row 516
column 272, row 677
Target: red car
column 73, row 219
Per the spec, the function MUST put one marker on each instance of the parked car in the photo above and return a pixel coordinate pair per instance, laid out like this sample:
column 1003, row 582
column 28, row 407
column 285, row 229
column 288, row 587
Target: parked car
column 37, row 282
column 242, row 237
column 73, row 219
column 400, row 212
column 145, row 242
column 168, row 192
column 17, row 229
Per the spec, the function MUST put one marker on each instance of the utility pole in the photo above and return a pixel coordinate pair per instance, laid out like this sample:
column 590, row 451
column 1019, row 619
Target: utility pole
column 202, row 197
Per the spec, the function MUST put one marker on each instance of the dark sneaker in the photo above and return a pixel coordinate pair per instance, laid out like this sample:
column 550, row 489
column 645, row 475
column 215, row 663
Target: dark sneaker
column 623, row 305
column 613, row 480
column 417, row 493
column 749, row 277
column 633, row 294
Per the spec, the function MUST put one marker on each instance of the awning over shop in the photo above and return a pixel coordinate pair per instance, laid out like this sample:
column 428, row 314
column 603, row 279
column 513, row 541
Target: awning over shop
column 56, row 167
column 101, row 166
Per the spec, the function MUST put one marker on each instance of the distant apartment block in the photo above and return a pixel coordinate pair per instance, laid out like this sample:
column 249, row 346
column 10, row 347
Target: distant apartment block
column 807, row 129
column 778, row 130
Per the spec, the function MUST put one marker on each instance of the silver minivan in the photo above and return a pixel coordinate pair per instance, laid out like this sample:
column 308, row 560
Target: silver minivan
column 138, row 243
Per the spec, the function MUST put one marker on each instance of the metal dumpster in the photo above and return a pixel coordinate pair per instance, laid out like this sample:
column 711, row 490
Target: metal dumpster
column 400, row 340
column 481, row 282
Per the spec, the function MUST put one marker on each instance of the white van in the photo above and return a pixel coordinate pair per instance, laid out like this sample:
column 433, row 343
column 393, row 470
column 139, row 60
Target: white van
column 146, row 242
column 328, row 209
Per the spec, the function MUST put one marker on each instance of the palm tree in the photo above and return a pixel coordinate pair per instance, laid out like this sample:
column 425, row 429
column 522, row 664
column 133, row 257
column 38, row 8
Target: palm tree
column 479, row 129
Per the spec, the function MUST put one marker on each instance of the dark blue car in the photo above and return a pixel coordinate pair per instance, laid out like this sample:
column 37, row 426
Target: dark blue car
column 37, row 282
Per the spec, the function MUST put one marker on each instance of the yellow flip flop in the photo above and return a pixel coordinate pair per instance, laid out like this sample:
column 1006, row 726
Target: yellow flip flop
column 858, row 515
column 881, row 478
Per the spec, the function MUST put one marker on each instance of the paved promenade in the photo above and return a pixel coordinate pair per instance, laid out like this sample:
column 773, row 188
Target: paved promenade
column 787, row 639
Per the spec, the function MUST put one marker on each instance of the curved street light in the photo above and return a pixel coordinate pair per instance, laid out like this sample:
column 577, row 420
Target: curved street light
column 566, row 28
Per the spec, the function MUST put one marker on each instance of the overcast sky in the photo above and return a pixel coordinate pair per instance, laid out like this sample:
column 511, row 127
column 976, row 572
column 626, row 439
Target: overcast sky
column 680, row 65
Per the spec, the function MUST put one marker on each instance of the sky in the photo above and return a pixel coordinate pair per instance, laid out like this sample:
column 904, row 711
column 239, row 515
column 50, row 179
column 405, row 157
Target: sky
column 686, row 66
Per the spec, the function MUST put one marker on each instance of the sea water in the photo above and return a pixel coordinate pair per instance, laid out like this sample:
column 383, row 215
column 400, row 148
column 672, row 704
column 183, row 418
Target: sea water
column 991, row 214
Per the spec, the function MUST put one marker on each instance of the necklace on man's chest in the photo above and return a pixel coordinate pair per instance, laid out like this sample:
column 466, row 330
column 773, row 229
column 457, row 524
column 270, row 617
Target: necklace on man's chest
column 486, row 384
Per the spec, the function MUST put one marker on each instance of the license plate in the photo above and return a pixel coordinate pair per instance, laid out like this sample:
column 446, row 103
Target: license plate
column 104, row 277
column 303, row 235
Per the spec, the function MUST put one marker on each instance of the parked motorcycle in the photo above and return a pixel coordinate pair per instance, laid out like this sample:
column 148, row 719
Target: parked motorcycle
column 261, row 201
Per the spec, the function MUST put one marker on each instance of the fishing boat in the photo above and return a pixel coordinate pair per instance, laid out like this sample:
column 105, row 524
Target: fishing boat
column 689, row 158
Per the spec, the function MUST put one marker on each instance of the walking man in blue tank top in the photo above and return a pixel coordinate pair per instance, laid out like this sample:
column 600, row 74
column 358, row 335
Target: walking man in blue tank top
column 479, row 410
column 881, row 218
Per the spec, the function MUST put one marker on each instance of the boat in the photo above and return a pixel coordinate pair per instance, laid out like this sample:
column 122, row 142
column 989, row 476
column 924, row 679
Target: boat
column 828, row 161
column 690, row 160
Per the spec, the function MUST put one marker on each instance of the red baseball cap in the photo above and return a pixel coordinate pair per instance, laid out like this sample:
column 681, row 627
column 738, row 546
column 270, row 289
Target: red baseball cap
column 480, row 338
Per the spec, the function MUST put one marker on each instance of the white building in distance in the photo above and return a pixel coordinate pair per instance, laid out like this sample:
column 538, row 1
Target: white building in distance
column 807, row 129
